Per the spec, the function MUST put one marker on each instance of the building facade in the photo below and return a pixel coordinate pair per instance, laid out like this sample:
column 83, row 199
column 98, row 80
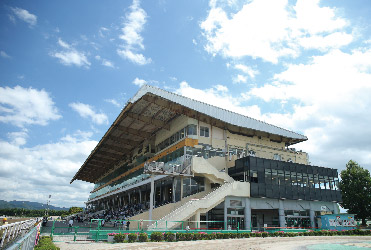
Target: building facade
column 244, row 172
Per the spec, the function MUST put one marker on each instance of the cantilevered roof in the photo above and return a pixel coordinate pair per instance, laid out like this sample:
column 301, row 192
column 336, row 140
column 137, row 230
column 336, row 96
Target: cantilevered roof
column 152, row 109
column 218, row 113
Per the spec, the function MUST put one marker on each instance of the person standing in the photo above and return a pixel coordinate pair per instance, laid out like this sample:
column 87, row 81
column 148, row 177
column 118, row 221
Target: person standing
column 127, row 225
column 70, row 224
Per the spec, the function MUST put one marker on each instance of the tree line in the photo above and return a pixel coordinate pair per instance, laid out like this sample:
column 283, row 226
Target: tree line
column 22, row 212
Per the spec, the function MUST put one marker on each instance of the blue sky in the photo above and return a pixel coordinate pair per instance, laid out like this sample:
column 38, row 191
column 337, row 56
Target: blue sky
column 67, row 69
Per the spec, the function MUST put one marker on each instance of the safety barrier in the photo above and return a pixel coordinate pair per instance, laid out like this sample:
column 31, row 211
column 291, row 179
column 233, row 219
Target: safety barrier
column 11, row 232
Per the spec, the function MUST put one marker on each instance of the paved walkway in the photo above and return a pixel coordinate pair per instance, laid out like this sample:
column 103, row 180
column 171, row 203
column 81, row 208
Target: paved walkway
column 297, row 243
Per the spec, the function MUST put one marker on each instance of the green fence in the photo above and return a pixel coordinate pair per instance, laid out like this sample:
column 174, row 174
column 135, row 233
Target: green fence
column 95, row 231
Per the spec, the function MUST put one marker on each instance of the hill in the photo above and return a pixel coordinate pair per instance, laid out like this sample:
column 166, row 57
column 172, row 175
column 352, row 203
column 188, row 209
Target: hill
column 28, row 205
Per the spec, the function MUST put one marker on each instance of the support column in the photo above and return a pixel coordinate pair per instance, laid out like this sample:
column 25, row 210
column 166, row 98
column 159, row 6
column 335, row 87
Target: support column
column 181, row 188
column 225, row 214
column 140, row 196
column 151, row 197
column 173, row 193
column 281, row 214
column 197, row 220
column 311, row 215
column 129, row 199
column 247, row 214
column 336, row 208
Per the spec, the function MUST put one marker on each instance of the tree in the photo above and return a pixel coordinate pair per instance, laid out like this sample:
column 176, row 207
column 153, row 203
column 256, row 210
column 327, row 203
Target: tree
column 75, row 210
column 355, row 186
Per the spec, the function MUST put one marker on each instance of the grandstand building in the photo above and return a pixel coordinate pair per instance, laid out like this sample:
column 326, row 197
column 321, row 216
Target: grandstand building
column 243, row 172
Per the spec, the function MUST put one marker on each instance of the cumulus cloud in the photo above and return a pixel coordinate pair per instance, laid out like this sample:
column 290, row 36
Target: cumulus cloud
column 25, row 16
column 24, row 106
column 139, row 82
column 219, row 96
column 86, row 111
column 33, row 173
column 133, row 41
column 282, row 30
column 70, row 56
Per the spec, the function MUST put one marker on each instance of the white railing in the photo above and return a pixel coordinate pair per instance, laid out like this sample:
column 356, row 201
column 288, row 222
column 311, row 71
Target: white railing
column 180, row 166
column 11, row 231
column 181, row 212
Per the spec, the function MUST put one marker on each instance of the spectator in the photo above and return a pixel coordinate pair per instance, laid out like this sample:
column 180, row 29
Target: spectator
column 70, row 224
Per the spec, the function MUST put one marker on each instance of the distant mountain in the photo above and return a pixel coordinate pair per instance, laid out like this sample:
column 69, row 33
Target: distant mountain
column 27, row 205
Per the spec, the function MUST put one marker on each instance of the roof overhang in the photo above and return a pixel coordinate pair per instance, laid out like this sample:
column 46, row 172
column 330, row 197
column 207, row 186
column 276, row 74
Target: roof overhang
column 151, row 110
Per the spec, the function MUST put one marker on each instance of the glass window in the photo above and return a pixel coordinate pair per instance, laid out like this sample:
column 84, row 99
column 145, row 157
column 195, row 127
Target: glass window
column 299, row 179
column 305, row 180
column 204, row 131
column 268, row 175
column 274, row 177
column 293, row 178
column 277, row 157
column 287, row 178
column 192, row 129
column 316, row 181
column 254, row 176
column 281, row 177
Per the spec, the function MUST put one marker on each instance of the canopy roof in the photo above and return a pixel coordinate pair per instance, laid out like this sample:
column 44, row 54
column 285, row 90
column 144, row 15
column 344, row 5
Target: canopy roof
column 151, row 110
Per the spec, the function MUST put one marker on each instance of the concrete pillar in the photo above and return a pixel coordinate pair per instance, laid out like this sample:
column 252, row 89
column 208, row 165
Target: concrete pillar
column 336, row 208
column 173, row 190
column 140, row 196
column 181, row 187
column 129, row 198
column 311, row 215
column 225, row 214
column 197, row 220
column 247, row 214
column 281, row 214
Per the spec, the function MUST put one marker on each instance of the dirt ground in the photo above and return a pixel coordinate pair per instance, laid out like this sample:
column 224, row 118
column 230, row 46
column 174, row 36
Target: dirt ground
column 301, row 243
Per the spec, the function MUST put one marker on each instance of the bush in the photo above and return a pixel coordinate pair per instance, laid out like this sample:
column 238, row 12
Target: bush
column 157, row 236
column 46, row 243
column 245, row 235
column 180, row 237
column 189, row 236
column 169, row 237
column 119, row 238
column 132, row 237
column 143, row 237
column 219, row 235
column 265, row 234
column 197, row 236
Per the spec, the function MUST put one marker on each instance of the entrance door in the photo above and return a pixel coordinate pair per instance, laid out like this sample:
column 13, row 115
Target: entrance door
column 235, row 222
column 254, row 221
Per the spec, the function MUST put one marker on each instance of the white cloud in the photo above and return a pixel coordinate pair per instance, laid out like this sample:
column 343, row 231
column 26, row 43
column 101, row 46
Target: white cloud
column 107, row 63
column 33, row 173
column 133, row 41
column 239, row 79
column 219, row 96
column 70, row 56
column 86, row 111
column 114, row 102
column 281, row 30
column 3, row 54
column 247, row 70
column 24, row 106
column 139, row 82
column 25, row 16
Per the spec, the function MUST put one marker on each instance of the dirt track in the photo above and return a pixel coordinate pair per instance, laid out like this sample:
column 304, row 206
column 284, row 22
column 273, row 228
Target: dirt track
column 303, row 242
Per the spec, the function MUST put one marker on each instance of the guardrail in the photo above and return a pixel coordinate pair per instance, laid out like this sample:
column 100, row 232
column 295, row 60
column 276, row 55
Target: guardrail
column 10, row 232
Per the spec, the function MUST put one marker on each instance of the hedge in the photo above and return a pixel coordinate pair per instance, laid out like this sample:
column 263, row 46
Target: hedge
column 46, row 243
column 171, row 237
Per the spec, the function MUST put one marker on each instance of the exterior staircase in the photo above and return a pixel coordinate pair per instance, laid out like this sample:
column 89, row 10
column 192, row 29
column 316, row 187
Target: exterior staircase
column 204, row 204
column 202, row 166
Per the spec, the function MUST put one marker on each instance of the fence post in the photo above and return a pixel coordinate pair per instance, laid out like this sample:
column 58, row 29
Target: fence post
column 74, row 236
column 97, row 233
column 156, row 224
column 52, row 232
column 238, row 226
column 166, row 225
